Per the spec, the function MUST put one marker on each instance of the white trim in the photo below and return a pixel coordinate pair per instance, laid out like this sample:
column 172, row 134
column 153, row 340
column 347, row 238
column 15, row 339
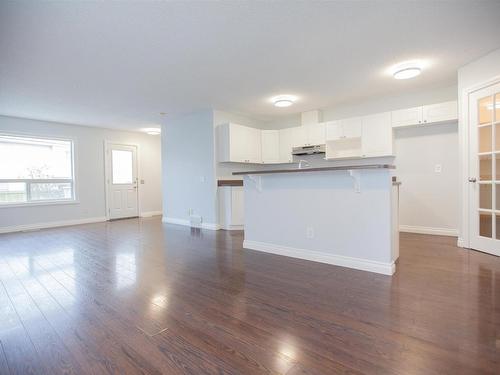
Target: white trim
column 151, row 213
column 51, row 224
column 428, row 230
column 316, row 256
column 464, row 157
column 186, row 223
column 232, row 227
column 39, row 203
column 460, row 242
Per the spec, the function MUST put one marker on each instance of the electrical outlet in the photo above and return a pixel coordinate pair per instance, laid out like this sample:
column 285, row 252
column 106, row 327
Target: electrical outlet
column 310, row 232
column 190, row 211
column 438, row 168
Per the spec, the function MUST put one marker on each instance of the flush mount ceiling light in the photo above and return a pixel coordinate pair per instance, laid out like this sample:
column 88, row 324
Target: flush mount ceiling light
column 152, row 131
column 407, row 73
column 407, row 69
column 283, row 100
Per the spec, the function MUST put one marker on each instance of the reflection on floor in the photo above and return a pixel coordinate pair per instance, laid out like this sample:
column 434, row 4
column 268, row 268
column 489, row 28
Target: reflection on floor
column 139, row 296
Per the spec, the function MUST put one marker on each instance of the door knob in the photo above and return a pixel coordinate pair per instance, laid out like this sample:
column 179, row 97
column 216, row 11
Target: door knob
column 472, row 179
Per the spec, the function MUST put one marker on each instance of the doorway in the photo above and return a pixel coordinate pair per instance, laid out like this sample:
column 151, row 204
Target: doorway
column 484, row 169
column 122, row 198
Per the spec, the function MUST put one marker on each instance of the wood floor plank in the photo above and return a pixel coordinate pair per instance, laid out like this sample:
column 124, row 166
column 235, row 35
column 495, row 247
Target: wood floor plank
column 54, row 354
column 224, row 309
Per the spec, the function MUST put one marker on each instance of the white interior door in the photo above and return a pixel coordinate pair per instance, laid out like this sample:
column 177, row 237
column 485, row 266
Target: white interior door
column 122, row 181
column 484, row 167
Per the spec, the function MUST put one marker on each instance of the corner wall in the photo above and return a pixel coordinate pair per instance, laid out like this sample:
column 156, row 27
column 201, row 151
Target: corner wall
column 188, row 171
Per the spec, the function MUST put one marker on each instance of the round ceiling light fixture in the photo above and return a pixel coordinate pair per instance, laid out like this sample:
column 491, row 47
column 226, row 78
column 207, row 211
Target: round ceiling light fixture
column 283, row 100
column 407, row 73
column 153, row 131
column 407, row 69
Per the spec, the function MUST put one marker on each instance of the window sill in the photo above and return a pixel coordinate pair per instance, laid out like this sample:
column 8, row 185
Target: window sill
column 41, row 203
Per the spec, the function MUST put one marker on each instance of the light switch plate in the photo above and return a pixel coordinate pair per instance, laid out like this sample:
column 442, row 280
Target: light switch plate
column 438, row 168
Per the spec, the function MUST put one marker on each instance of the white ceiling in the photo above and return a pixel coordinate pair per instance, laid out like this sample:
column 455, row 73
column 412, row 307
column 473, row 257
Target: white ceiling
column 118, row 65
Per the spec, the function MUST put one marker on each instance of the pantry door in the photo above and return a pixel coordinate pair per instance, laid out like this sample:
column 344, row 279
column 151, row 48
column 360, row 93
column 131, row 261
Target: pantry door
column 484, row 169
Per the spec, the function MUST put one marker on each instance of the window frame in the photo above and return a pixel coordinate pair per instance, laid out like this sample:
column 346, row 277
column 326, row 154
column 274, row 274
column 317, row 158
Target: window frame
column 28, row 181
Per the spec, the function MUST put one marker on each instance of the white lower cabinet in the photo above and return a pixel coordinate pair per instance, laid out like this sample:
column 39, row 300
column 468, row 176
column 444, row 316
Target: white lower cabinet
column 377, row 139
column 231, row 207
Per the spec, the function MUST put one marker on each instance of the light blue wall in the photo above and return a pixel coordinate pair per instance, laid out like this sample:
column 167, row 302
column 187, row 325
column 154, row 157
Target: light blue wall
column 188, row 166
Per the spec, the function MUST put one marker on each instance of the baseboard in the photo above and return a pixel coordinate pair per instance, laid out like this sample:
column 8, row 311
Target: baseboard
column 173, row 220
column 52, row 224
column 151, row 213
column 460, row 242
column 429, row 230
column 232, row 227
column 315, row 256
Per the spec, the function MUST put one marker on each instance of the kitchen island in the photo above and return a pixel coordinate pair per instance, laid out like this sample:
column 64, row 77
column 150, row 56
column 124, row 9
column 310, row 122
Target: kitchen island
column 345, row 216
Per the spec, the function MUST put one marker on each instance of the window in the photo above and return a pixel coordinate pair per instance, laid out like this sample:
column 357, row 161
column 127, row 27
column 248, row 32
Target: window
column 35, row 170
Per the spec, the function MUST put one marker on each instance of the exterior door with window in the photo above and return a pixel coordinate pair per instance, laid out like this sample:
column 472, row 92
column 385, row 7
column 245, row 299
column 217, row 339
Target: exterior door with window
column 484, row 167
column 122, row 181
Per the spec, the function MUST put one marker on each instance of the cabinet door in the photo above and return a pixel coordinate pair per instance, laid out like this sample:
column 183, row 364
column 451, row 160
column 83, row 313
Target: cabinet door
column 407, row 117
column 377, row 135
column 333, row 130
column 238, row 143
column 253, row 147
column 299, row 136
column 352, row 127
column 237, row 206
column 316, row 134
column 285, row 148
column 440, row 112
column 270, row 142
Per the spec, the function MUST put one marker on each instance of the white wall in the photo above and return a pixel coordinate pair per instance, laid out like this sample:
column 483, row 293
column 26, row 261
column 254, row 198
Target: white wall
column 89, row 172
column 189, row 167
column 470, row 75
column 428, row 200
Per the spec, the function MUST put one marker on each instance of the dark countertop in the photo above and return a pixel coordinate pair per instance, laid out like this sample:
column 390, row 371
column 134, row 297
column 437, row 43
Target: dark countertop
column 226, row 182
column 318, row 169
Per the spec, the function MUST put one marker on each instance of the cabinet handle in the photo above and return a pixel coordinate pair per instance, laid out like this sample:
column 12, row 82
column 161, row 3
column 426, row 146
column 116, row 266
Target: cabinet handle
column 472, row 179
column 425, row 120
column 420, row 122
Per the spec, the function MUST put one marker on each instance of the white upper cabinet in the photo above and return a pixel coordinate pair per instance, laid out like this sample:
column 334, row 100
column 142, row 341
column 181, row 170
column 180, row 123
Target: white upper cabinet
column 441, row 112
column 285, row 145
column 333, row 130
column 308, row 135
column 347, row 128
column 427, row 114
column 270, row 140
column 240, row 144
column 377, row 139
column 407, row 117
column 299, row 136
column 316, row 134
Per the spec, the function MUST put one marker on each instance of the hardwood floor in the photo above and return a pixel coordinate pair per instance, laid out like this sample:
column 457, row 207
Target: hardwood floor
column 138, row 296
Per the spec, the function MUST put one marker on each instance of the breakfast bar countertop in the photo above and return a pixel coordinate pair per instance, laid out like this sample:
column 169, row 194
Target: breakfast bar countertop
column 318, row 169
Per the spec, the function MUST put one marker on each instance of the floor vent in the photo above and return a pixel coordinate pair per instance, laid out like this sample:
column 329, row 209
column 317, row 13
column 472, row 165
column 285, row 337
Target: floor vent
column 195, row 221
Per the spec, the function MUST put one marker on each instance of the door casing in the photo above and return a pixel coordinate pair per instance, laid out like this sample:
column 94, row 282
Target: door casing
column 464, row 155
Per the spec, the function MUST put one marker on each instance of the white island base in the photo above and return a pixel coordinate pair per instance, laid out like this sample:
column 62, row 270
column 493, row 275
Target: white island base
column 345, row 217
